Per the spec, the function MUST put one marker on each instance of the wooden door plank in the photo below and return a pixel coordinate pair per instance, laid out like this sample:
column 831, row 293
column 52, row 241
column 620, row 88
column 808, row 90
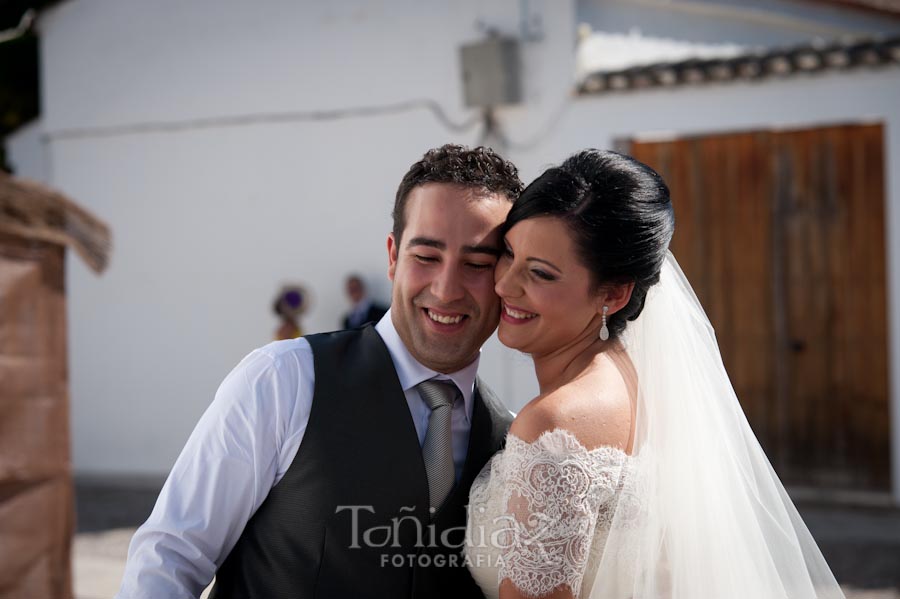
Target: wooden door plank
column 782, row 236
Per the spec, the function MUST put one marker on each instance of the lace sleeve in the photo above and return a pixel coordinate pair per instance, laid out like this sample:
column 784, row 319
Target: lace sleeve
column 553, row 489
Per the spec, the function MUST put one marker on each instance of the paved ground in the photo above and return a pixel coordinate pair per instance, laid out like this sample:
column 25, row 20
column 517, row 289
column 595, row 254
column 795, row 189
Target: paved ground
column 862, row 545
column 106, row 519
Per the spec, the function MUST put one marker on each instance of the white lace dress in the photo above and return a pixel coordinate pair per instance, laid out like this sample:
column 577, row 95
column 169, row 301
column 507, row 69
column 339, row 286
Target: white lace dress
column 539, row 514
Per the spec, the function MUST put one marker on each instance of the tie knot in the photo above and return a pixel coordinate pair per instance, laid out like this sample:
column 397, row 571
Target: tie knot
column 437, row 394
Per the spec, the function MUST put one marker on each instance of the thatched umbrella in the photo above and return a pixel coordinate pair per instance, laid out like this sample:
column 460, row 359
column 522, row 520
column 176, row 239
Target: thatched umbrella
column 36, row 507
column 33, row 211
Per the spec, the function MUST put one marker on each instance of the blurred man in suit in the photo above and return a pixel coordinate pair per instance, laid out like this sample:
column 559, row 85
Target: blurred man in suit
column 364, row 310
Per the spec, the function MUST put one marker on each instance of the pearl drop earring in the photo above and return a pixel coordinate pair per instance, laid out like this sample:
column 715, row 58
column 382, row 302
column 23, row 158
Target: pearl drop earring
column 604, row 330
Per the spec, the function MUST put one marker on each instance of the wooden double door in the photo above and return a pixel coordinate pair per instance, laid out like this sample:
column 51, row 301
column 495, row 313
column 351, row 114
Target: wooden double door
column 782, row 234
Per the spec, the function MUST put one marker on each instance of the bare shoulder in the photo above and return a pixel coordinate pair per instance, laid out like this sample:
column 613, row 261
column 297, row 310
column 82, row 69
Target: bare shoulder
column 598, row 412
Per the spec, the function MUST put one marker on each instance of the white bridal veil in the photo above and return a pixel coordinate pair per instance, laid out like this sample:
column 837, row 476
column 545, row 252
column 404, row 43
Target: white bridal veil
column 702, row 514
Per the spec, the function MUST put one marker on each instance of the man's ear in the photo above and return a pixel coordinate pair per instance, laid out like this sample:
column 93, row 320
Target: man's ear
column 392, row 255
column 615, row 297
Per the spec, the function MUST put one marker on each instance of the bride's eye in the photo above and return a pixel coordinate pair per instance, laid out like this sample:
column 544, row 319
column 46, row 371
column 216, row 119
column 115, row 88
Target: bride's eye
column 542, row 274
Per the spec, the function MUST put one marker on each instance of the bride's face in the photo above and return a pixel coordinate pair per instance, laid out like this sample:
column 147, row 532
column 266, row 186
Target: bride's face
column 545, row 290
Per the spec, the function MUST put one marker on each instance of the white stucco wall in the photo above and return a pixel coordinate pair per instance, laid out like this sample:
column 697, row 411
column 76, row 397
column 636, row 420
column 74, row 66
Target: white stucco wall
column 208, row 220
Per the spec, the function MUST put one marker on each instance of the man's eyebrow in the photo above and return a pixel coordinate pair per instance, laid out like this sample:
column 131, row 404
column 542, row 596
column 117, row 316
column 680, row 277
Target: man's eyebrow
column 482, row 249
column 440, row 245
column 426, row 241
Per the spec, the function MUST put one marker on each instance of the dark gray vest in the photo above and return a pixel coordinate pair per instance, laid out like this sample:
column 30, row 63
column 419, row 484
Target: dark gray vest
column 350, row 516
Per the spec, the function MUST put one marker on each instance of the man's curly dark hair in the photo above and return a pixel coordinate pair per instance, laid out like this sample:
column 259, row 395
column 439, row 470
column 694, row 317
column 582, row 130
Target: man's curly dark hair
column 480, row 168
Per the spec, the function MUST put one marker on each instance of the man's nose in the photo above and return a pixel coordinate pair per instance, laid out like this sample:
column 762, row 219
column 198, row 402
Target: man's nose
column 447, row 286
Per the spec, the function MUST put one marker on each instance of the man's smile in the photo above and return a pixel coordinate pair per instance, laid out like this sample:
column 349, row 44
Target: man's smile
column 444, row 318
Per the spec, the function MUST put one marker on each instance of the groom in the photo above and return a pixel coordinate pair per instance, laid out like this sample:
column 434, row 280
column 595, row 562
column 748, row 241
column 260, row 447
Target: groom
column 339, row 465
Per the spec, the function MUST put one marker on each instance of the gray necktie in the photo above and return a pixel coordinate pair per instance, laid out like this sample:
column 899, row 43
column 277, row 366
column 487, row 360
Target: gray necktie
column 438, row 449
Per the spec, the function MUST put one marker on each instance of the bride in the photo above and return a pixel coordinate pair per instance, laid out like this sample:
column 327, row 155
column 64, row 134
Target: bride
column 634, row 473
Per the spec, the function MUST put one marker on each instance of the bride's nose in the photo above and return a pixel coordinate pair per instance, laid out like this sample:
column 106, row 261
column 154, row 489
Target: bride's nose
column 505, row 283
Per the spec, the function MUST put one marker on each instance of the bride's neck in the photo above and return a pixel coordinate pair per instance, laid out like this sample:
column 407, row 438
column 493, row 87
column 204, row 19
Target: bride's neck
column 558, row 368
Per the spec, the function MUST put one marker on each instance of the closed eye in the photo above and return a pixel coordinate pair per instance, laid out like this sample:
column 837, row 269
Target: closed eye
column 542, row 274
column 425, row 259
column 479, row 266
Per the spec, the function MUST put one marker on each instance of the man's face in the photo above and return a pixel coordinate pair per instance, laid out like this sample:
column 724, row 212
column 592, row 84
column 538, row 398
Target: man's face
column 355, row 290
column 443, row 302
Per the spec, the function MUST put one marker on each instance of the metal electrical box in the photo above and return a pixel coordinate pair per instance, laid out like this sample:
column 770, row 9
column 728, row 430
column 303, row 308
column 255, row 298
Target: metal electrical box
column 491, row 72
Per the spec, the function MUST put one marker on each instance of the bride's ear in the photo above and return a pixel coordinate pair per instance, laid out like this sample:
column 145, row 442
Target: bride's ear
column 614, row 297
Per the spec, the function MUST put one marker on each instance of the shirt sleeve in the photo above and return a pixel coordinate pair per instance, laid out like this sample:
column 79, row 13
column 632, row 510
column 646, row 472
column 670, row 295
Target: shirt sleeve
column 240, row 448
column 552, row 490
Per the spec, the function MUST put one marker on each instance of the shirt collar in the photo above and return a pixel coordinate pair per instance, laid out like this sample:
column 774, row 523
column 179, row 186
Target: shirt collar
column 411, row 372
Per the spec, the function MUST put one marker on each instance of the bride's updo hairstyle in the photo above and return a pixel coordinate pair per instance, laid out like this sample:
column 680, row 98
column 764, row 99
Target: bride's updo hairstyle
column 620, row 216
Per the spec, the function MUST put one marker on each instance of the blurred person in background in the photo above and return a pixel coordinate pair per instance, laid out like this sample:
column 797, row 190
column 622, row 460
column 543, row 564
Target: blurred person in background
column 363, row 309
column 290, row 303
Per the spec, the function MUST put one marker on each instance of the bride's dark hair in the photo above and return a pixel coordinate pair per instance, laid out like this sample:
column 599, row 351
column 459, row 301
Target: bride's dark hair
column 620, row 216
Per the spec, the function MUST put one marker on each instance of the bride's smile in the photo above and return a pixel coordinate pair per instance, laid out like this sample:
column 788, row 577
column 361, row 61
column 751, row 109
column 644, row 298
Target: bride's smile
column 515, row 315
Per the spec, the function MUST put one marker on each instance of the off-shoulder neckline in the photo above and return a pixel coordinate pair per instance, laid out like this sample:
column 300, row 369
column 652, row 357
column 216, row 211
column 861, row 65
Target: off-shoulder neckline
column 569, row 435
